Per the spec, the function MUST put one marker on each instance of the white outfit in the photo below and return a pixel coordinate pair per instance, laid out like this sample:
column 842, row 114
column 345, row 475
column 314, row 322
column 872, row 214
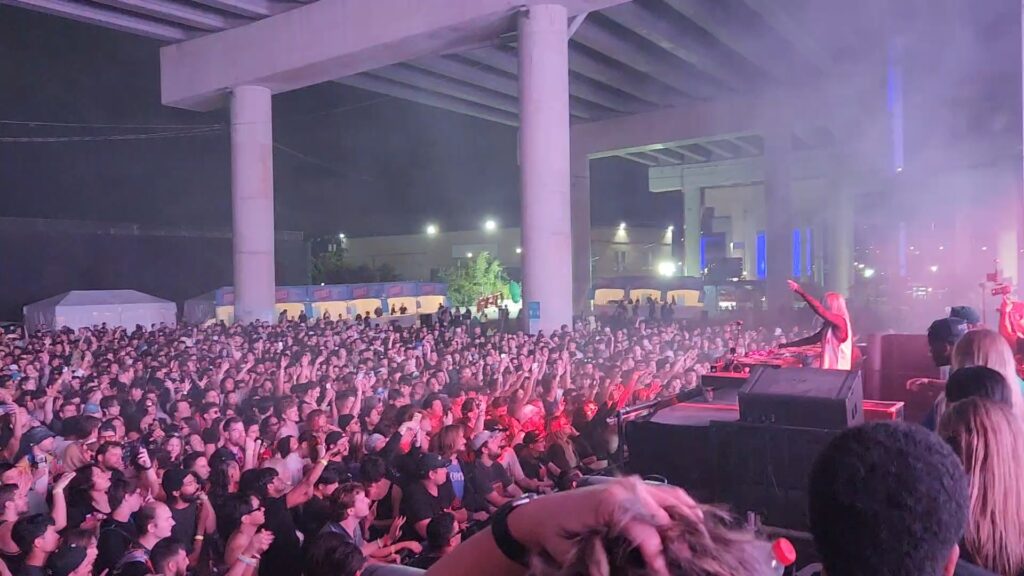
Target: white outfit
column 836, row 355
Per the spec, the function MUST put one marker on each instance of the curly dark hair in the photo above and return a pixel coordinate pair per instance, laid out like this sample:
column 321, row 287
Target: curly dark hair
column 887, row 498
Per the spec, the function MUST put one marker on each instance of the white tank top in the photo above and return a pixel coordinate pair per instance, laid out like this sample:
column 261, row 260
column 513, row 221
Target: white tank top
column 836, row 355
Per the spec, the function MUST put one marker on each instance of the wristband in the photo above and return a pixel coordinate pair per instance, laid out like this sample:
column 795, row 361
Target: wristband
column 247, row 560
column 324, row 461
column 199, row 538
column 513, row 549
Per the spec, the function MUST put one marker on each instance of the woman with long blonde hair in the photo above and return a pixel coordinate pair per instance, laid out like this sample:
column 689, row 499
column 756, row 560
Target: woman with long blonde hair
column 835, row 336
column 983, row 347
column 989, row 440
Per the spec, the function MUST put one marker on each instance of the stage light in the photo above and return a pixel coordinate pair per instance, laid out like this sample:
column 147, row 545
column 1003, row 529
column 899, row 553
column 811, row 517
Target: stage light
column 431, row 229
column 519, row 250
column 490, row 225
column 666, row 268
column 934, row 268
column 984, row 248
column 942, row 247
column 622, row 226
column 671, row 227
column 869, row 272
column 341, row 236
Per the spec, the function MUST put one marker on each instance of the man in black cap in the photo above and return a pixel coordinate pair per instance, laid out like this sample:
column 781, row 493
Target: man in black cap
column 428, row 496
column 37, row 445
column 193, row 516
column 70, row 559
column 943, row 334
column 36, row 537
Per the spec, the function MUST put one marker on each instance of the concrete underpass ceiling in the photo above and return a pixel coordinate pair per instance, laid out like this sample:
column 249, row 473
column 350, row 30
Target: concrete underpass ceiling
column 635, row 57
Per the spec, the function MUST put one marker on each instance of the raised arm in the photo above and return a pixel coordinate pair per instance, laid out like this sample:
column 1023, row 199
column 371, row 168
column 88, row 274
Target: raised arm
column 836, row 320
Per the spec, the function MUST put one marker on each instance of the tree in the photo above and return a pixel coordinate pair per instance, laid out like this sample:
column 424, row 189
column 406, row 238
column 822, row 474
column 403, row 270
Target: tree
column 330, row 268
column 472, row 280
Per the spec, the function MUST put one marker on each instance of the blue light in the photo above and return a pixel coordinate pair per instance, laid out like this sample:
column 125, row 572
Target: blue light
column 703, row 253
column 797, row 254
column 762, row 256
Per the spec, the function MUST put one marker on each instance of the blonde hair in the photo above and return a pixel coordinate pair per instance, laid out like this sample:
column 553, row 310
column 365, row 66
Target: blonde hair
column 692, row 547
column 983, row 347
column 989, row 440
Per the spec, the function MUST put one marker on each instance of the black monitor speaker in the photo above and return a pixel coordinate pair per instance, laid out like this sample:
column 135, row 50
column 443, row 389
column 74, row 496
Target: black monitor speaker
column 803, row 398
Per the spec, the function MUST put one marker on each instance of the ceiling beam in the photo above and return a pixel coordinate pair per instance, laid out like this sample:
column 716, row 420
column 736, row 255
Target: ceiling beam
column 505, row 59
column 441, row 84
column 686, row 40
column 690, row 154
column 92, row 14
column 585, row 62
column 406, row 92
column 640, row 158
column 249, row 8
column 746, row 146
column 177, row 12
column 666, row 155
column 715, row 148
column 751, row 39
column 332, row 39
column 474, row 73
column 775, row 15
column 599, row 36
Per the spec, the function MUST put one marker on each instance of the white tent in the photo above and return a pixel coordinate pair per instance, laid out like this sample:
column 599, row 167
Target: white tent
column 84, row 308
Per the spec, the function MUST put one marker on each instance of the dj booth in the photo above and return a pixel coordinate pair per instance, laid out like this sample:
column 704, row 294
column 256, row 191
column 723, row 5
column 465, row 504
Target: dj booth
column 748, row 440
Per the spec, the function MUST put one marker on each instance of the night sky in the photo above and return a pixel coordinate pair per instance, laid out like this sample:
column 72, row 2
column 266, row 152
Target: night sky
column 363, row 164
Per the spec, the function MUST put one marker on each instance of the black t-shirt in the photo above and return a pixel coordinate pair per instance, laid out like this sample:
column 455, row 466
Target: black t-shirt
column 531, row 466
column 115, row 539
column 315, row 514
column 418, row 505
column 286, row 550
column 185, row 523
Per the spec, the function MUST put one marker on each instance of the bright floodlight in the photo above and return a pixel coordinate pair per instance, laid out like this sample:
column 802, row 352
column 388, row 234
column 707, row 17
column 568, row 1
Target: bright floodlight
column 869, row 272
column 519, row 250
column 666, row 268
column 431, row 229
column 622, row 226
column 490, row 225
column 934, row 268
column 469, row 254
column 341, row 236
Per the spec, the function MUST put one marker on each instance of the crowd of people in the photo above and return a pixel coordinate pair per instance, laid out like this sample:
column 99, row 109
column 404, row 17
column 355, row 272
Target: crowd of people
column 327, row 447
column 317, row 445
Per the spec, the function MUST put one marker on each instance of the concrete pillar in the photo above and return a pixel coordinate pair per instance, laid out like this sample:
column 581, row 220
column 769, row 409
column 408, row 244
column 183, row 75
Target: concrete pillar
column 252, row 203
column 839, row 259
column 778, row 217
column 580, row 207
column 544, row 164
column 691, row 231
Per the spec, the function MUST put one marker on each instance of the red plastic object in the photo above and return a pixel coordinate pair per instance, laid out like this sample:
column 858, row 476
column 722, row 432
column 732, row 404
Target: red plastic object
column 784, row 552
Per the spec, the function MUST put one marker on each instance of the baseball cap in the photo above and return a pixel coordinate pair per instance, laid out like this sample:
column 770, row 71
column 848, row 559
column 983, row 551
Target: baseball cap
column 947, row 330
column 35, row 436
column 429, row 462
column 965, row 313
column 481, row 438
column 174, row 479
column 65, row 560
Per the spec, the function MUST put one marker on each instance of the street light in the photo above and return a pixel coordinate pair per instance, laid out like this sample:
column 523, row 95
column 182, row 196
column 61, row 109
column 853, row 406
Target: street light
column 490, row 225
column 469, row 254
column 519, row 250
column 622, row 226
column 431, row 229
column 666, row 268
column 341, row 236
column 869, row 272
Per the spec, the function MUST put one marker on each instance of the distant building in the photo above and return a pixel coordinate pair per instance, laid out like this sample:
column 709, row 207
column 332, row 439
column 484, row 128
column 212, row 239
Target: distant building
column 616, row 251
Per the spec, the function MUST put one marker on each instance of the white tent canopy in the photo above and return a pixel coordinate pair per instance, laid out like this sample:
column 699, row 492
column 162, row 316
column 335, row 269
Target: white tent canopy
column 84, row 308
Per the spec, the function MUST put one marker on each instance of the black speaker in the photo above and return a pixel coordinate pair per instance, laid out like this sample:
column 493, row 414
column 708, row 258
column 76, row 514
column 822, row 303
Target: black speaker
column 427, row 320
column 803, row 398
